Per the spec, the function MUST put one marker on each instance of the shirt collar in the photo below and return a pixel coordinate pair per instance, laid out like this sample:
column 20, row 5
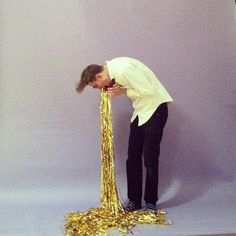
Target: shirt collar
column 110, row 70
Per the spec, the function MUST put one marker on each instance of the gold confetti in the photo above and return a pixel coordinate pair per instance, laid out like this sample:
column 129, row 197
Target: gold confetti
column 111, row 215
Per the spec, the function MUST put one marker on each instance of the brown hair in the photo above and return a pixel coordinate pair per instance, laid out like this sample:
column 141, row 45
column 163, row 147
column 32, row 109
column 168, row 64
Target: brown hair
column 88, row 75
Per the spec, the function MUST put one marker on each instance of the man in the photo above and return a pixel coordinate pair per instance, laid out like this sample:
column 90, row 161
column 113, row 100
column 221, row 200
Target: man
column 149, row 99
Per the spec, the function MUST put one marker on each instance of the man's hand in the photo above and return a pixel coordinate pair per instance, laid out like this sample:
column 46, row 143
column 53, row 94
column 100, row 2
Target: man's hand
column 116, row 90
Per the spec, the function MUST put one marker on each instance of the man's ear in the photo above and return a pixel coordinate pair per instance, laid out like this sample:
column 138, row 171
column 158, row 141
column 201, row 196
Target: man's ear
column 98, row 76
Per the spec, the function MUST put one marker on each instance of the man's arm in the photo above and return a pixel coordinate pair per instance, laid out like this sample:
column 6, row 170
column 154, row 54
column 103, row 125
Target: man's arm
column 137, row 81
column 116, row 90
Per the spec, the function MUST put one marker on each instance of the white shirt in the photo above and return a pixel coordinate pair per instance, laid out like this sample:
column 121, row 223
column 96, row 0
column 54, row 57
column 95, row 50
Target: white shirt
column 143, row 87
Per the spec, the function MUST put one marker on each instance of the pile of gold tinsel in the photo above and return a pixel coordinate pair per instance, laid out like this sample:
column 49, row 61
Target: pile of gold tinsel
column 110, row 216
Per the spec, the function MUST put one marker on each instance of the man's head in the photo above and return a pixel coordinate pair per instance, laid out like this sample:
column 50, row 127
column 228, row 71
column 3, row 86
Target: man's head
column 95, row 76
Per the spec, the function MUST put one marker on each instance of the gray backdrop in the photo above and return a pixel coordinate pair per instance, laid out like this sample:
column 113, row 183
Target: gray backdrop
column 50, row 135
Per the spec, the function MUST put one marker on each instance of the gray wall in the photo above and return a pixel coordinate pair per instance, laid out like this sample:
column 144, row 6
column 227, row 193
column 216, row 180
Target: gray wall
column 50, row 134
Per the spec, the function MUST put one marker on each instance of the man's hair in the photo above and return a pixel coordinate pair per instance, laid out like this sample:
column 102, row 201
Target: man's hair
column 88, row 75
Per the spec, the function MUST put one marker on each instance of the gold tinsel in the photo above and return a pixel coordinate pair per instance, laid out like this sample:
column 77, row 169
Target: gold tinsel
column 110, row 216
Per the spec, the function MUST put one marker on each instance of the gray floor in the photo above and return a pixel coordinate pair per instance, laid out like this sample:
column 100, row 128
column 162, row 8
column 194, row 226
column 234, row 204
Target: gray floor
column 42, row 212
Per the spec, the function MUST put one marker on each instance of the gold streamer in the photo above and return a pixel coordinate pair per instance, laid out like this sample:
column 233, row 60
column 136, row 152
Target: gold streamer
column 110, row 216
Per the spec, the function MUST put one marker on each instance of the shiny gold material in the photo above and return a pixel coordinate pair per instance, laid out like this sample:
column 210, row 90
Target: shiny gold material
column 110, row 216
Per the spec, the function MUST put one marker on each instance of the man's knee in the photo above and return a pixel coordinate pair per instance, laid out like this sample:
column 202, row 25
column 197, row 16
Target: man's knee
column 151, row 162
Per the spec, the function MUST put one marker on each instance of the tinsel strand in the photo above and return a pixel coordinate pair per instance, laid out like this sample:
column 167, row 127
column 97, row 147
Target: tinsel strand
column 110, row 216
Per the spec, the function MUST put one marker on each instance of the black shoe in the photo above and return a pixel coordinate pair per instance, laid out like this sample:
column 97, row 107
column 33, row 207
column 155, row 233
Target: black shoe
column 131, row 206
column 150, row 207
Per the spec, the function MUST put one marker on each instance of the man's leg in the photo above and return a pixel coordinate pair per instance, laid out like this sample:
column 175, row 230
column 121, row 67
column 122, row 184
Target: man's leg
column 153, row 131
column 134, row 163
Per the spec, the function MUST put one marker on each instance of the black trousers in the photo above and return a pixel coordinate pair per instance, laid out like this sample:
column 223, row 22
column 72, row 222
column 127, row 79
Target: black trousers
column 144, row 141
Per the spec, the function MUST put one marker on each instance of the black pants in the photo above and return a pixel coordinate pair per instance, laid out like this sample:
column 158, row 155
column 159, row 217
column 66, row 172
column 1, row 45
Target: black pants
column 144, row 141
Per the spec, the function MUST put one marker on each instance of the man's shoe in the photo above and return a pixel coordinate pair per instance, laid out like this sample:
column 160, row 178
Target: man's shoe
column 150, row 207
column 131, row 206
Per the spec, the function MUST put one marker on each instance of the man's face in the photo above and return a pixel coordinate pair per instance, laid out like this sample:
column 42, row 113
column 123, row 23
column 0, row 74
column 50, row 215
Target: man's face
column 101, row 80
